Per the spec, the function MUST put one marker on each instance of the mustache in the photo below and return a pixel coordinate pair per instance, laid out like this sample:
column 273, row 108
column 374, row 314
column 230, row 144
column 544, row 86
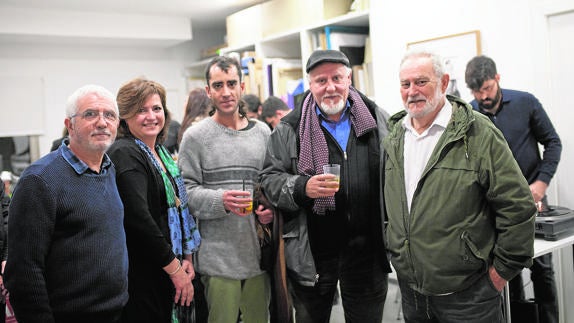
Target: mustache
column 331, row 95
column 101, row 132
column 416, row 98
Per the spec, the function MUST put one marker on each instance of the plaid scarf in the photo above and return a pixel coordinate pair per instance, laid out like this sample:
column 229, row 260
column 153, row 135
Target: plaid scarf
column 184, row 236
column 314, row 152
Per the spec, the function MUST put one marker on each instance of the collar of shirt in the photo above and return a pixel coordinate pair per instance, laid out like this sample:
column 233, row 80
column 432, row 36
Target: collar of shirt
column 339, row 130
column 441, row 120
column 78, row 165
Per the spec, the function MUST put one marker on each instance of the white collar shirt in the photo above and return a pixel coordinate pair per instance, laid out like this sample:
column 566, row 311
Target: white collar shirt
column 418, row 148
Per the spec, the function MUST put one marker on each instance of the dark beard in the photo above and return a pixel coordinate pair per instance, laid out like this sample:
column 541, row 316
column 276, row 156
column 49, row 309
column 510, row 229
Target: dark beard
column 492, row 102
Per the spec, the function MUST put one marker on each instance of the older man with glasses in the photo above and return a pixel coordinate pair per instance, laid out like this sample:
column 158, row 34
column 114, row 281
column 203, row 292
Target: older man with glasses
column 68, row 262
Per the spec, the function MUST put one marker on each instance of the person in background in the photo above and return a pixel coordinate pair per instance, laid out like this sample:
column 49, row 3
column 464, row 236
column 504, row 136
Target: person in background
column 6, row 178
column 525, row 125
column 7, row 149
column 4, row 204
column 161, row 234
column 171, row 143
column 218, row 156
column 253, row 106
column 273, row 110
column 460, row 215
column 58, row 142
column 69, row 261
column 333, row 235
column 196, row 109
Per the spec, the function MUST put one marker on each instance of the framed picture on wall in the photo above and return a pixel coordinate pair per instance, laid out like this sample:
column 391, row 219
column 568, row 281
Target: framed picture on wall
column 456, row 50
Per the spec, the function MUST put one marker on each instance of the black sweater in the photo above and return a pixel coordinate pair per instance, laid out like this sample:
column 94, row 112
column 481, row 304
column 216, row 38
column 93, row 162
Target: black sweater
column 67, row 252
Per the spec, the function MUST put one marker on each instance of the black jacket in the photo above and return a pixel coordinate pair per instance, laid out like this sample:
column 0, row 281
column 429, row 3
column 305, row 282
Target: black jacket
column 358, row 220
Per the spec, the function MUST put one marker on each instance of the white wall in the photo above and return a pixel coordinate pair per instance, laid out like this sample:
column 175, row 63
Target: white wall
column 64, row 68
column 506, row 40
column 68, row 65
column 515, row 36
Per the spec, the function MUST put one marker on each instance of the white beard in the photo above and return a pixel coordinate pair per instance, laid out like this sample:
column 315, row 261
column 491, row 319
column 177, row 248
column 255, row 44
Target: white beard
column 331, row 109
column 430, row 106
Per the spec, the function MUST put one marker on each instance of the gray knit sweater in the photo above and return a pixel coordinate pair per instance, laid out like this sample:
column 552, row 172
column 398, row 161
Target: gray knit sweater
column 212, row 159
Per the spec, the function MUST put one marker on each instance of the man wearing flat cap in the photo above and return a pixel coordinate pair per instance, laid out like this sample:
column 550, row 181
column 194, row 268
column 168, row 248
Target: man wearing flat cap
column 332, row 233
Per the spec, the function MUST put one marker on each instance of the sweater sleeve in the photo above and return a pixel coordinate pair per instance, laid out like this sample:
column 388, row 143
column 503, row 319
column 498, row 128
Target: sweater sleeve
column 31, row 225
column 204, row 203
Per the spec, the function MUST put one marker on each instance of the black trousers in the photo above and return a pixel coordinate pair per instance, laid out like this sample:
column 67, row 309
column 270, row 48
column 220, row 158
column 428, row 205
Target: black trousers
column 544, row 286
column 363, row 287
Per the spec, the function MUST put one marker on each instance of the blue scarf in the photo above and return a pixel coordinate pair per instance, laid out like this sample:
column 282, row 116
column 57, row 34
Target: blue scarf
column 185, row 238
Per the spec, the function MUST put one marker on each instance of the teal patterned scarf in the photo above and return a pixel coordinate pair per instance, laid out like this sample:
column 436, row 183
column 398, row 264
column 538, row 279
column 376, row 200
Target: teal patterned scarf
column 185, row 237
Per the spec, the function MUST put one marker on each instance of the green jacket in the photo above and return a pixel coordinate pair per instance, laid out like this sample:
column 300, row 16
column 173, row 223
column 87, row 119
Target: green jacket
column 472, row 207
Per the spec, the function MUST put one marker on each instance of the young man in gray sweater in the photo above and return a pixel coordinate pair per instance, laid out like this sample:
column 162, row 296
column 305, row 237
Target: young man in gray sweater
column 218, row 158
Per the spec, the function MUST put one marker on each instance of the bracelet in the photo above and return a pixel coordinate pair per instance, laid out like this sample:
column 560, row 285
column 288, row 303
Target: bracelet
column 176, row 270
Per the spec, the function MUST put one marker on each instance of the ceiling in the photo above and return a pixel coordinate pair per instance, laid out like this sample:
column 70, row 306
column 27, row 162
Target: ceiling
column 171, row 17
column 203, row 13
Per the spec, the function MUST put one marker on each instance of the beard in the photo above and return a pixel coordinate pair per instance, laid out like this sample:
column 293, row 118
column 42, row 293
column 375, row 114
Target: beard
column 94, row 145
column 490, row 103
column 430, row 105
column 332, row 109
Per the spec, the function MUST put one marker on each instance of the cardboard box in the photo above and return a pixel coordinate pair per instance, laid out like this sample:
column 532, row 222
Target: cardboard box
column 244, row 27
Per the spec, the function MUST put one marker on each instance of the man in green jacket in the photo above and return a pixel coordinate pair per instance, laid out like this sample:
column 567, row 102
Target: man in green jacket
column 461, row 216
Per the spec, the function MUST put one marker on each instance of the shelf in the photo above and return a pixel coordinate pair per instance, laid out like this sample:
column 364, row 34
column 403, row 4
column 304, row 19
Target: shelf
column 351, row 19
column 295, row 43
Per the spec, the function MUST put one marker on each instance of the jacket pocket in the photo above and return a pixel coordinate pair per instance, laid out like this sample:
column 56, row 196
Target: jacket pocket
column 298, row 258
column 472, row 256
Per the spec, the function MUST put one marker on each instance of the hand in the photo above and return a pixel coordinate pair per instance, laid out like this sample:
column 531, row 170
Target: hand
column 187, row 267
column 237, row 202
column 183, row 287
column 538, row 190
column 497, row 281
column 321, row 186
column 264, row 215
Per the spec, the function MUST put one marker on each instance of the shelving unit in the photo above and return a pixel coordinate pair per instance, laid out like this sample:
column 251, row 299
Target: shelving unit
column 296, row 43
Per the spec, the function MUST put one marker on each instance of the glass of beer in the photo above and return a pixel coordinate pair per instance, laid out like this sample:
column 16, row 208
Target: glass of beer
column 334, row 169
column 248, row 188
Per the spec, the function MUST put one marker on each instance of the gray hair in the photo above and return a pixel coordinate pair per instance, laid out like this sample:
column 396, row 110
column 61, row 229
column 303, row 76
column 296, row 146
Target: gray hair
column 72, row 103
column 437, row 60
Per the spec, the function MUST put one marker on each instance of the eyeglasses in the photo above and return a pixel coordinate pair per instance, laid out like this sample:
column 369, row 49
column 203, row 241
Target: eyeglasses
column 91, row 115
column 418, row 83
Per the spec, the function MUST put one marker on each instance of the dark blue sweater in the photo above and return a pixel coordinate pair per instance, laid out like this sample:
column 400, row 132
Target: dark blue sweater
column 68, row 251
column 524, row 124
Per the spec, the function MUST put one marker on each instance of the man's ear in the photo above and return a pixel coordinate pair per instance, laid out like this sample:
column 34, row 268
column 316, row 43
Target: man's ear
column 69, row 124
column 444, row 82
